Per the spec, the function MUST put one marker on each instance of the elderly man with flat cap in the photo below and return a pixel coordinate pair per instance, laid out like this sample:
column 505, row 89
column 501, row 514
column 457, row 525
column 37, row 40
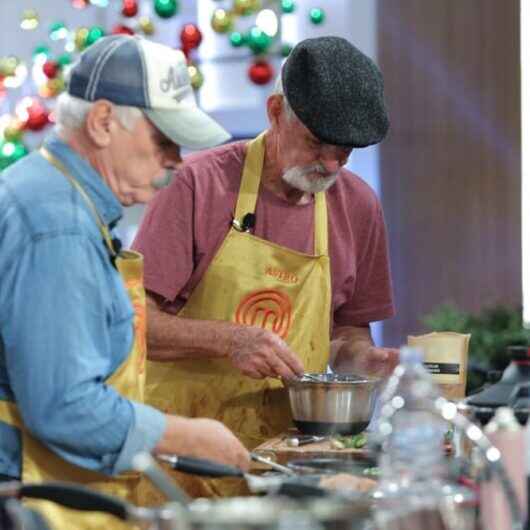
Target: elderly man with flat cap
column 72, row 305
column 267, row 259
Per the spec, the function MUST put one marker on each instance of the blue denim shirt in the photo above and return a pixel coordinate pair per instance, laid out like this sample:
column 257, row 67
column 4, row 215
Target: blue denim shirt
column 66, row 322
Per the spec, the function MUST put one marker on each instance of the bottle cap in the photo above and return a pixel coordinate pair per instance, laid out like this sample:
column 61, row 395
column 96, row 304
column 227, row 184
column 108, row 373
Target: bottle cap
column 410, row 355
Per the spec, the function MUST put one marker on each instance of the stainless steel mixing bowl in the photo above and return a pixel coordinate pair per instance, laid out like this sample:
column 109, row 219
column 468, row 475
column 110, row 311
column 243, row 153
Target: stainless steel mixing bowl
column 332, row 403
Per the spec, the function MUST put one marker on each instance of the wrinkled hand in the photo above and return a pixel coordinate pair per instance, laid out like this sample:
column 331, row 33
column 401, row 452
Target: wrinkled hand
column 375, row 362
column 259, row 353
column 203, row 438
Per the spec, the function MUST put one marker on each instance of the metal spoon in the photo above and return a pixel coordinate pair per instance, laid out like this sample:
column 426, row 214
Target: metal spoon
column 267, row 461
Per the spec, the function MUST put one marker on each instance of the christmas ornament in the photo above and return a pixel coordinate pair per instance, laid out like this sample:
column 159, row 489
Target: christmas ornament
column 267, row 21
column 52, row 88
column 30, row 19
column 286, row 49
column 41, row 53
column 8, row 65
column 190, row 36
column 258, row 40
column 260, row 73
column 50, row 69
column 237, row 39
column 14, row 130
column 222, row 21
column 122, row 29
column 58, row 31
column 95, row 33
column 166, row 8
column 64, row 59
column 146, row 25
column 37, row 116
column 80, row 38
column 197, row 79
column 317, row 15
column 129, row 8
column 287, row 6
column 246, row 7
column 10, row 152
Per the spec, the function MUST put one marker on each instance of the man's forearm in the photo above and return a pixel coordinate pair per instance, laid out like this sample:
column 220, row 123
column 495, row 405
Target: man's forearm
column 170, row 337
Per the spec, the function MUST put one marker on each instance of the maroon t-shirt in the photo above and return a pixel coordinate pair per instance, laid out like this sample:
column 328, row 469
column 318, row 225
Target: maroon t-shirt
column 185, row 224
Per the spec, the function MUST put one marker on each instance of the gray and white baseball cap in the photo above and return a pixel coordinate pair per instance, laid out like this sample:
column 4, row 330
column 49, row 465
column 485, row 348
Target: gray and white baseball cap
column 133, row 71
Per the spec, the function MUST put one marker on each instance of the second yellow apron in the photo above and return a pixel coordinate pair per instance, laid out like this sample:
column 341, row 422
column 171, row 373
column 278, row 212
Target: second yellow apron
column 250, row 281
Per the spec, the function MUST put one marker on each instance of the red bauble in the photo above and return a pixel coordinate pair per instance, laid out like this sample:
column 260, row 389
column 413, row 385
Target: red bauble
column 122, row 29
column 190, row 37
column 37, row 117
column 129, row 8
column 261, row 72
column 50, row 69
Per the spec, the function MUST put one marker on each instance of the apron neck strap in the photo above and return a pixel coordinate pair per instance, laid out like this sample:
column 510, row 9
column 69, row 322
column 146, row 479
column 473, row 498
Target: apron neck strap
column 249, row 188
column 101, row 225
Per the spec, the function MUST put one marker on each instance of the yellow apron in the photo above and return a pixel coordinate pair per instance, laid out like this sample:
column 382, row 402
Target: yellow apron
column 250, row 281
column 39, row 464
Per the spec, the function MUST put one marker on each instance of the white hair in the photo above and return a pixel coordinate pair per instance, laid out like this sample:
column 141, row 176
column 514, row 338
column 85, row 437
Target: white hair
column 71, row 112
column 278, row 90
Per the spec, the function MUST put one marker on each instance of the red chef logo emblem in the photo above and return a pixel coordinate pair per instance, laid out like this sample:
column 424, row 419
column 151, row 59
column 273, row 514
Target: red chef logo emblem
column 268, row 309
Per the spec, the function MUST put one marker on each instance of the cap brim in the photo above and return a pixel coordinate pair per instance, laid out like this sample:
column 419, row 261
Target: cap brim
column 189, row 127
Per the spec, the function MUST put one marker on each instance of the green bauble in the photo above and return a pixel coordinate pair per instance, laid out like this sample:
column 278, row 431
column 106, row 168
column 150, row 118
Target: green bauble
column 258, row 40
column 237, row 39
column 317, row 15
column 94, row 33
column 166, row 8
column 64, row 59
column 288, row 6
column 10, row 152
column 286, row 49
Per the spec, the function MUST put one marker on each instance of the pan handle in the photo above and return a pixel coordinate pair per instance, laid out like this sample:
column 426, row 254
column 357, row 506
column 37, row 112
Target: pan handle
column 77, row 497
column 200, row 466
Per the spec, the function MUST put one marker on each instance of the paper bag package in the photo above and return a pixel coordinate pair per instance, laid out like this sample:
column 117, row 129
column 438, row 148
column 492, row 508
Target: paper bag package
column 445, row 356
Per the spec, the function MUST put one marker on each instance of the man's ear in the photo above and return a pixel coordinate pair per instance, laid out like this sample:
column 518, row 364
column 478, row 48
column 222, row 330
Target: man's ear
column 99, row 123
column 274, row 108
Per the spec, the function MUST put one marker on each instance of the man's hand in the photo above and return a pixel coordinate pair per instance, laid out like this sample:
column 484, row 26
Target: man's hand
column 353, row 352
column 375, row 362
column 203, row 438
column 259, row 353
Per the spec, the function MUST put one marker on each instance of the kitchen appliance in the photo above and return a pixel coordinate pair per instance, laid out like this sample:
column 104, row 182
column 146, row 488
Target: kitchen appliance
column 513, row 390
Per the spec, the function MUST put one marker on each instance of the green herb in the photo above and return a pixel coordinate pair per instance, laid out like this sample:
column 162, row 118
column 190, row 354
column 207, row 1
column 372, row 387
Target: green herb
column 357, row 441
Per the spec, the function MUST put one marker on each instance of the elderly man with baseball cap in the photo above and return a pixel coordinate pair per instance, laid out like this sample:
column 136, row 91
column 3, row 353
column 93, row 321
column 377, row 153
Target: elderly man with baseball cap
column 72, row 305
column 265, row 259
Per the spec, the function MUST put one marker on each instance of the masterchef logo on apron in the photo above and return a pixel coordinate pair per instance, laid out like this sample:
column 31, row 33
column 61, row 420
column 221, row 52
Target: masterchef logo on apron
column 268, row 309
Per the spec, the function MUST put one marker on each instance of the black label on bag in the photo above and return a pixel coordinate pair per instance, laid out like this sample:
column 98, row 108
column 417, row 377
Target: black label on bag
column 443, row 368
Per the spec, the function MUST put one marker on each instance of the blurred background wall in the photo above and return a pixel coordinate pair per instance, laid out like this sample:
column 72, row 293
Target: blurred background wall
column 451, row 166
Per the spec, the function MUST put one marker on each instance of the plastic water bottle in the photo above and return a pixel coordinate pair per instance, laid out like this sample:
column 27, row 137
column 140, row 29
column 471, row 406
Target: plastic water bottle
column 413, row 450
column 414, row 474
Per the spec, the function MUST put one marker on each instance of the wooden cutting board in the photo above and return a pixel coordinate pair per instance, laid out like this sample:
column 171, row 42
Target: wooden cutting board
column 277, row 449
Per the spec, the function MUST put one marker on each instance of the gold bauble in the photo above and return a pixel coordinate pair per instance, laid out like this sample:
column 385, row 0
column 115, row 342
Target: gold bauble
column 222, row 21
column 14, row 131
column 246, row 7
column 146, row 25
column 196, row 77
column 80, row 38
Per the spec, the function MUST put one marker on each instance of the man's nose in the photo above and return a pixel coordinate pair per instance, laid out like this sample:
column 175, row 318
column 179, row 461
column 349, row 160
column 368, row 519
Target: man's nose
column 333, row 158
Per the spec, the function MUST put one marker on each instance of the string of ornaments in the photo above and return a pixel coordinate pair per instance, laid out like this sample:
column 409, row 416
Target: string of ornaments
column 49, row 59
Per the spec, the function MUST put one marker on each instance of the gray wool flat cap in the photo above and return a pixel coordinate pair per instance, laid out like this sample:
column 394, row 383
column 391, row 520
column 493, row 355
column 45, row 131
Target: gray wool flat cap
column 336, row 91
